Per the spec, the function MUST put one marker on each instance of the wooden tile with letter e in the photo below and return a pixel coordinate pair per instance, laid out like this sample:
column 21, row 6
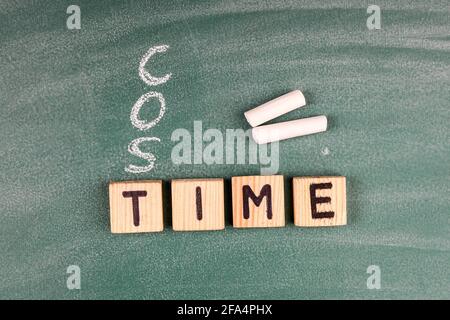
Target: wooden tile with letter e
column 319, row 201
column 258, row 201
column 198, row 204
column 136, row 206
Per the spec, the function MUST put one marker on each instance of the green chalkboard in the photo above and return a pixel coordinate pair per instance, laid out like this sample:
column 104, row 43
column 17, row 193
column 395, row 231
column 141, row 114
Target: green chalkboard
column 66, row 96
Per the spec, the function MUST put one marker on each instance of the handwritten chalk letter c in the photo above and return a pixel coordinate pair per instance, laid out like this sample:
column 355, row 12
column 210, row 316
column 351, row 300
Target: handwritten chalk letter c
column 247, row 193
column 145, row 75
column 134, row 116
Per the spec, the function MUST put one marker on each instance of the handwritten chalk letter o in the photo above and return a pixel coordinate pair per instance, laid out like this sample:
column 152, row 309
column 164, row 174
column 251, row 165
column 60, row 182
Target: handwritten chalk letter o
column 134, row 116
column 144, row 74
column 133, row 148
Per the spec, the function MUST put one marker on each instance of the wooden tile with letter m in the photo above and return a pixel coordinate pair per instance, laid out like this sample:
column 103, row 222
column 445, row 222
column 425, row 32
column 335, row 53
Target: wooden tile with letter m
column 258, row 201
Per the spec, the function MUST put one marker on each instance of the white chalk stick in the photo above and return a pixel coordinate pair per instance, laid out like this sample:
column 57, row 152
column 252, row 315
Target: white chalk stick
column 289, row 129
column 275, row 108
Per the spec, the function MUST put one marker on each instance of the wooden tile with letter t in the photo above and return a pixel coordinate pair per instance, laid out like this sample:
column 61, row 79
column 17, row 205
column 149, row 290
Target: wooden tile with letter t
column 198, row 204
column 319, row 201
column 258, row 201
column 136, row 206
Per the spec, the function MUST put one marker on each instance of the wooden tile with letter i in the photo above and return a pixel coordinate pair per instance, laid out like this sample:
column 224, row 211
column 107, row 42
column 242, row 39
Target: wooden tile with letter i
column 198, row 204
column 136, row 206
column 319, row 201
column 258, row 201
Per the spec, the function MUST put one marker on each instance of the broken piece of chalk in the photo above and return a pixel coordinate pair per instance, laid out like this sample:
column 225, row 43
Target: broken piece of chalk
column 289, row 129
column 275, row 108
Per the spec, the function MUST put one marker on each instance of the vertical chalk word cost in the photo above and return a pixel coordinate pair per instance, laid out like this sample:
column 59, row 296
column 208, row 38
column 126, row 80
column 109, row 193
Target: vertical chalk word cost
column 141, row 124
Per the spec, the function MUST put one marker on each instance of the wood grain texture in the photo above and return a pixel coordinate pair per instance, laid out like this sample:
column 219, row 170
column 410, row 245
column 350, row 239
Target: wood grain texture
column 150, row 207
column 336, row 191
column 184, row 205
column 258, row 216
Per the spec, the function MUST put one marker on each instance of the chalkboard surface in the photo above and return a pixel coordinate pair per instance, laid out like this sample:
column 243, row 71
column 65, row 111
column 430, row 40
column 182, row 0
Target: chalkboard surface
column 66, row 97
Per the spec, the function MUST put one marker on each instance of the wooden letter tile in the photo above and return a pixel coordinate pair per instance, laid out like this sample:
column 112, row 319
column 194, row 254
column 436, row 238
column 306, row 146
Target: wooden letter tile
column 136, row 206
column 198, row 204
column 319, row 201
column 258, row 201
